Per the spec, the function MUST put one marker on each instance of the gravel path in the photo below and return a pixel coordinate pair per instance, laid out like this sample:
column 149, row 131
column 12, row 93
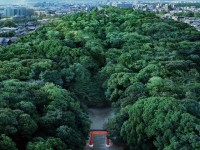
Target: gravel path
column 98, row 118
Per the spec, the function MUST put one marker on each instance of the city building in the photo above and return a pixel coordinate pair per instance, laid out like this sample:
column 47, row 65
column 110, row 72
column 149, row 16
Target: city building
column 7, row 29
column 40, row 12
column 5, row 41
column 124, row 5
column 168, row 7
column 9, row 11
column 15, row 11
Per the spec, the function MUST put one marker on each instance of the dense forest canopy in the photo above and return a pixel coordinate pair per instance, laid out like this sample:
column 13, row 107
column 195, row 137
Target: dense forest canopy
column 197, row 5
column 146, row 67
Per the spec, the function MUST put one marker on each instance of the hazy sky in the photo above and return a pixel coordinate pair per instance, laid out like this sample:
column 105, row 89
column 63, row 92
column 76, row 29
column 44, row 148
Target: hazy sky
column 24, row 1
column 29, row 1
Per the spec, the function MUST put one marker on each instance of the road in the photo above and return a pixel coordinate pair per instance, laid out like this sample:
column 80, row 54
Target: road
column 98, row 118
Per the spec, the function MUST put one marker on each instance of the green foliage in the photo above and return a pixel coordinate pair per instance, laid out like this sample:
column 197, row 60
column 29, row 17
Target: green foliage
column 27, row 126
column 7, row 143
column 38, row 67
column 197, row 5
column 7, row 34
column 162, row 123
column 27, row 107
column 160, row 87
column 8, row 121
column 13, row 70
column 29, row 110
column 115, row 123
column 117, row 83
column 7, row 23
column 192, row 106
column 49, row 144
column 117, row 57
column 52, row 76
column 65, row 133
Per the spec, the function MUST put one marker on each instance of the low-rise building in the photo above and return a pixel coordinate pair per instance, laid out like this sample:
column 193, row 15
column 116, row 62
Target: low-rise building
column 40, row 12
column 7, row 29
column 124, row 5
column 13, row 11
column 176, row 18
column 5, row 41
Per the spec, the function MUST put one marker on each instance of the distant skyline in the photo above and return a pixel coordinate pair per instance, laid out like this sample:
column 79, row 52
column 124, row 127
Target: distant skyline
column 78, row 1
column 32, row 1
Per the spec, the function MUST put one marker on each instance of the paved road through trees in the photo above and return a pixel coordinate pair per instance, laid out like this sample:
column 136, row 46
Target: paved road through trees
column 98, row 118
